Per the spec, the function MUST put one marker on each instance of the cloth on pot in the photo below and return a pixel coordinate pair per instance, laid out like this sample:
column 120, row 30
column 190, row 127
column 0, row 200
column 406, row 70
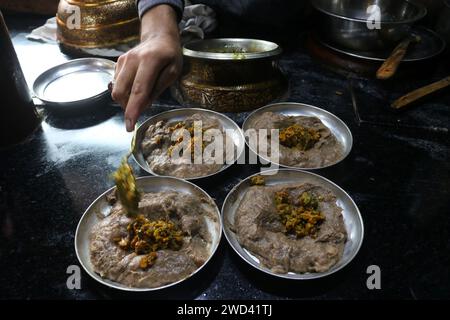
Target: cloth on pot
column 198, row 20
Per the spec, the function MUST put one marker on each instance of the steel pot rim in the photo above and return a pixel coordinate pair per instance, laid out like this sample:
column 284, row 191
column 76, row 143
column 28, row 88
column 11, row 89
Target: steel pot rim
column 422, row 13
column 273, row 50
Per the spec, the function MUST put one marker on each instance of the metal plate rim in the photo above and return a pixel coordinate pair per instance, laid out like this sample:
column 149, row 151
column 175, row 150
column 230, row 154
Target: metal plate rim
column 331, row 115
column 144, row 125
column 39, row 81
column 299, row 276
column 118, row 286
column 354, row 54
column 422, row 13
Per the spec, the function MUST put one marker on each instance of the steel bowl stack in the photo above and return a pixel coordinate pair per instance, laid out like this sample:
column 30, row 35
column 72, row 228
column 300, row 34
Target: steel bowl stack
column 352, row 24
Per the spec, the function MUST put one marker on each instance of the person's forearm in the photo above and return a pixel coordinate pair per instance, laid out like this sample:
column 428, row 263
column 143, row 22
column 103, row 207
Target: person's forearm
column 145, row 5
column 161, row 19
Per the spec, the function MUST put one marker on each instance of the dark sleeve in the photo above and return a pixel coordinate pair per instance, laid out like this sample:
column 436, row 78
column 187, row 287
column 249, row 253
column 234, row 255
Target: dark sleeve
column 145, row 5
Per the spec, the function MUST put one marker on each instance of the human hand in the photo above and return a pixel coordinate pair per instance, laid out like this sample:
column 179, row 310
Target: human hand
column 144, row 72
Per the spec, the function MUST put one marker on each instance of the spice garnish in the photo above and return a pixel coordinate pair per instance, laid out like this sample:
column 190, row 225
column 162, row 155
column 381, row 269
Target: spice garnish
column 147, row 237
column 192, row 142
column 125, row 180
column 297, row 136
column 126, row 188
column 257, row 181
column 301, row 216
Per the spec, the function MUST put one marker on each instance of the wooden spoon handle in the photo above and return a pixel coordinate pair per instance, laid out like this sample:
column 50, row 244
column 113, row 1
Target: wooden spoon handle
column 420, row 93
column 390, row 66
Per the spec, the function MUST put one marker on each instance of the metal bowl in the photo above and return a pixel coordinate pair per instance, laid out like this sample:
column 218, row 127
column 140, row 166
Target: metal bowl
column 430, row 46
column 337, row 127
column 101, row 207
column 352, row 219
column 345, row 22
column 178, row 115
column 230, row 75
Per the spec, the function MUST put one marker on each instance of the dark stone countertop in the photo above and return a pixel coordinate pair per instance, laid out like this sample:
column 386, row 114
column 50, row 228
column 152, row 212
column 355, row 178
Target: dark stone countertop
column 397, row 174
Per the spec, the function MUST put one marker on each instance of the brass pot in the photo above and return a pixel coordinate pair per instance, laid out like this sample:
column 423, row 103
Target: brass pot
column 230, row 75
column 101, row 23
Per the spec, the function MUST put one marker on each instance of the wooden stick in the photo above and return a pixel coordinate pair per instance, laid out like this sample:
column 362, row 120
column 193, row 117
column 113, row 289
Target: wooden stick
column 390, row 66
column 420, row 93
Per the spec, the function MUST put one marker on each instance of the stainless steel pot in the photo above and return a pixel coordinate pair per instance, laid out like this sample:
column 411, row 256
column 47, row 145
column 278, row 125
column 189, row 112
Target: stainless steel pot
column 353, row 24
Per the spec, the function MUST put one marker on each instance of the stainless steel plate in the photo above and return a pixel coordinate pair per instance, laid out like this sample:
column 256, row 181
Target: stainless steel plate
column 75, row 82
column 101, row 207
column 178, row 115
column 352, row 219
column 430, row 46
column 337, row 127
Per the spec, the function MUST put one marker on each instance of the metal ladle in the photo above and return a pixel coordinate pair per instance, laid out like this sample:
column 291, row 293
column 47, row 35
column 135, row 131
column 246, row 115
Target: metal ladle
column 125, row 181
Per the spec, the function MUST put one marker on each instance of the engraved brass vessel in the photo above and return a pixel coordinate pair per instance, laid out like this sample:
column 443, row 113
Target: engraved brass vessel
column 230, row 75
column 85, row 24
